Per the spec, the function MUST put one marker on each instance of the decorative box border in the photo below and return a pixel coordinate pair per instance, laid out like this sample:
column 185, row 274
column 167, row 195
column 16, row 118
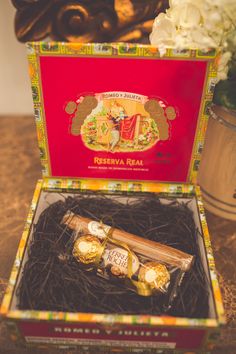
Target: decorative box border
column 120, row 50
column 172, row 190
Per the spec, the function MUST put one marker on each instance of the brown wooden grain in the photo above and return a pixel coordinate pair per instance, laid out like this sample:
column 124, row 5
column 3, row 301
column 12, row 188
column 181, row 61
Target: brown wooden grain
column 217, row 176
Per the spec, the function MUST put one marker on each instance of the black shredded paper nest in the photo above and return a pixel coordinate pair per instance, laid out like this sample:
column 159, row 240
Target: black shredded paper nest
column 53, row 280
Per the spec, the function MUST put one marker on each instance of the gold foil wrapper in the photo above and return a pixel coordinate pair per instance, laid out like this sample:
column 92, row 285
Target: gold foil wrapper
column 156, row 275
column 87, row 249
column 138, row 245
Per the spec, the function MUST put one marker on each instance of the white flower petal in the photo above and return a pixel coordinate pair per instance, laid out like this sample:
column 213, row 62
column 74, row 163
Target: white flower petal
column 202, row 24
column 186, row 15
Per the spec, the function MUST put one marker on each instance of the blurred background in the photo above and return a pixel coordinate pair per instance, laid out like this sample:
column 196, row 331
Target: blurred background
column 15, row 91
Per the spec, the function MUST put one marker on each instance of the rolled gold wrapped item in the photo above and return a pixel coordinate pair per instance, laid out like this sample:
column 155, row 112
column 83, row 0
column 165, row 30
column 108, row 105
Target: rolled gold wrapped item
column 154, row 250
column 86, row 249
column 156, row 275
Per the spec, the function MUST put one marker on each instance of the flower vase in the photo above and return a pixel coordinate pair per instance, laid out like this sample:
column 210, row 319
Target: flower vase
column 217, row 175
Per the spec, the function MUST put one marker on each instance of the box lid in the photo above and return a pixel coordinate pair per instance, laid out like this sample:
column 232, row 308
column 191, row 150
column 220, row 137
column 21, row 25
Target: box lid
column 119, row 111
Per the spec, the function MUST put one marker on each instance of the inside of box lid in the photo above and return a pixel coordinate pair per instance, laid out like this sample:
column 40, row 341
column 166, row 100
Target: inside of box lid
column 120, row 112
column 50, row 198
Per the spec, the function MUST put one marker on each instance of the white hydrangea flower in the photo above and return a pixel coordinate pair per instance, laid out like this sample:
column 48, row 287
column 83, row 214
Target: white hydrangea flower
column 201, row 24
column 223, row 66
column 163, row 34
column 185, row 15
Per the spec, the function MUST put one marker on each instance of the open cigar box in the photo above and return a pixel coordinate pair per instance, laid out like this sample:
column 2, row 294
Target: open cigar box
column 120, row 133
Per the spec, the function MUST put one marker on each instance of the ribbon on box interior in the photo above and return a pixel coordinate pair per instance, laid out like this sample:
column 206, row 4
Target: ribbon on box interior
column 145, row 266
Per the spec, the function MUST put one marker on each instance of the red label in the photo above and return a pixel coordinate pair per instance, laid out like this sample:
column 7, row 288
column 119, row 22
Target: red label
column 122, row 336
column 121, row 136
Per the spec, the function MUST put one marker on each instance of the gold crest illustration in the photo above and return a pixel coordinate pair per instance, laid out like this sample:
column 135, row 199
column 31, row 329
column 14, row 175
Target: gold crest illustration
column 120, row 121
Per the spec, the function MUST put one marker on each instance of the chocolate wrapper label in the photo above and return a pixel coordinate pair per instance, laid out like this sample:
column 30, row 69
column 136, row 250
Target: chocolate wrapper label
column 117, row 260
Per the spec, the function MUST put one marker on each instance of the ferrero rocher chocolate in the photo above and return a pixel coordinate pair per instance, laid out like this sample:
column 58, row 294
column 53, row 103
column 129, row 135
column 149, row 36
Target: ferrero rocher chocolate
column 86, row 249
column 155, row 250
column 155, row 275
column 142, row 265
column 116, row 258
column 115, row 270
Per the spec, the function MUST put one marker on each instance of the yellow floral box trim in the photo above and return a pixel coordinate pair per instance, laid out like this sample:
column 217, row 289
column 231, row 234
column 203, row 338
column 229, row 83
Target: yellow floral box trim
column 116, row 49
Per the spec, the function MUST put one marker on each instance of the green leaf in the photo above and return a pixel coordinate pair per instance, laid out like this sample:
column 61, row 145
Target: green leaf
column 225, row 94
column 232, row 71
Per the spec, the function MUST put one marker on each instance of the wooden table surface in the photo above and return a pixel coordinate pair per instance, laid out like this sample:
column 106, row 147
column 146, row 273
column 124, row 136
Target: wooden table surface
column 19, row 171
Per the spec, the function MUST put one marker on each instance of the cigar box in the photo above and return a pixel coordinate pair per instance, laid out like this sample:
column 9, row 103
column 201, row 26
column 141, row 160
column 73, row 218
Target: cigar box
column 118, row 118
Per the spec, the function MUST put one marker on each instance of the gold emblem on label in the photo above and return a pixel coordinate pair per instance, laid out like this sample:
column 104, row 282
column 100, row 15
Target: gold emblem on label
column 154, row 274
column 86, row 249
